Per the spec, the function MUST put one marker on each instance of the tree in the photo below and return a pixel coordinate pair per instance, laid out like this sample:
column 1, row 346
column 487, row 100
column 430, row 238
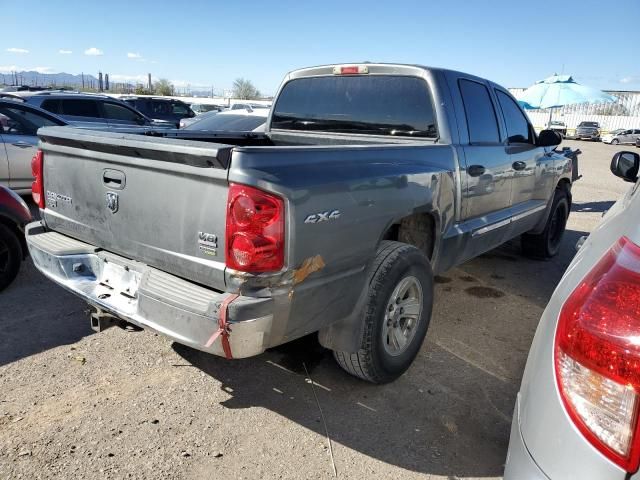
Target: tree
column 163, row 87
column 140, row 90
column 245, row 90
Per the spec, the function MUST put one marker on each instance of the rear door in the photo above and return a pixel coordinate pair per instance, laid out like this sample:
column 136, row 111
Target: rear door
column 20, row 144
column 533, row 174
column 488, row 174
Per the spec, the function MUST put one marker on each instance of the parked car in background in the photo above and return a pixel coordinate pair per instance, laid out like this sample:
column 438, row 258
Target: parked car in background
column 249, row 106
column 588, row 131
column 14, row 215
column 333, row 221
column 229, row 120
column 200, row 108
column 160, row 108
column 576, row 416
column 92, row 108
column 622, row 136
column 558, row 126
column 19, row 123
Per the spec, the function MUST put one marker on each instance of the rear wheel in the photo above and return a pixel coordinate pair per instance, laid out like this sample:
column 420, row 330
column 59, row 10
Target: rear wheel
column 10, row 256
column 396, row 316
column 547, row 243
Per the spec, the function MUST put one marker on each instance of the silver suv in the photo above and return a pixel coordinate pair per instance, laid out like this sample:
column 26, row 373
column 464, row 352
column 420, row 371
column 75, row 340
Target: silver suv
column 92, row 108
column 576, row 415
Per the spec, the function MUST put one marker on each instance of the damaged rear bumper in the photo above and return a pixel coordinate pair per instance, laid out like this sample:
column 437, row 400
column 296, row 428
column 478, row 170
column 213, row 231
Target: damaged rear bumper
column 150, row 298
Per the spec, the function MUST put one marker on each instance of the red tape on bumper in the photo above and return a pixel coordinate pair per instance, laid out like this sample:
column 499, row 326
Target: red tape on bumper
column 223, row 327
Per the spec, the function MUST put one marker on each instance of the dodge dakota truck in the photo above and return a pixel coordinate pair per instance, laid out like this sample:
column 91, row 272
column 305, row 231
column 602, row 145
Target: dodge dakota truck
column 368, row 180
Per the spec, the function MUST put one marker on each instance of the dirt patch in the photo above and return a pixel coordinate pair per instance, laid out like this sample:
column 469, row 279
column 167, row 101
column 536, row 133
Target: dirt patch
column 468, row 278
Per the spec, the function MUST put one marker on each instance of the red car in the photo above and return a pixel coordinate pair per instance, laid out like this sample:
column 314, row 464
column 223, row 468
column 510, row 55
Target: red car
column 14, row 214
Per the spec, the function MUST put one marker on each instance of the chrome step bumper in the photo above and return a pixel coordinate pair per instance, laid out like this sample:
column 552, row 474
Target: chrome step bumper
column 148, row 297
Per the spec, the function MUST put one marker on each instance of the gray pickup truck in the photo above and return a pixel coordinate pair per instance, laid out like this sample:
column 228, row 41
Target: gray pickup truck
column 368, row 180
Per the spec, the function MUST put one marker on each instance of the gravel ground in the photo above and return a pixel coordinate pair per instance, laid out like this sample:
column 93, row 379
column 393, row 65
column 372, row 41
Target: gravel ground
column 74, row 404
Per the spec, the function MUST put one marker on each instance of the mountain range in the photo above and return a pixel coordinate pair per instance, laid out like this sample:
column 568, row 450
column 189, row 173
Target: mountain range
column 45, row 79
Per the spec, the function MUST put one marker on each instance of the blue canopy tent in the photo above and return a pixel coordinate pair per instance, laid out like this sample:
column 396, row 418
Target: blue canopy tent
column 561, row 90
column 558, row 91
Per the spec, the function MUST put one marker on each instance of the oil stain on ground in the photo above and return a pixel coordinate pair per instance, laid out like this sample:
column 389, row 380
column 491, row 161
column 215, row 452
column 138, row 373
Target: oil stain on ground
column 484, row 292
column 439, row 279
column 467, row 278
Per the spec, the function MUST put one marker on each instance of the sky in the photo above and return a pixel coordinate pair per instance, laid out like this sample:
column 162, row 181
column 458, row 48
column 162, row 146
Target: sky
column 211, row 43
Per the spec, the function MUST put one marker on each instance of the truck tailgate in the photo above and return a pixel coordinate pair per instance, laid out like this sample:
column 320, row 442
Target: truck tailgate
column 158, row 201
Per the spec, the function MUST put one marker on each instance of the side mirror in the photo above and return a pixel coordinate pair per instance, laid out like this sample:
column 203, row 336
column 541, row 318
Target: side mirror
column 625, row 165
column 548, row 138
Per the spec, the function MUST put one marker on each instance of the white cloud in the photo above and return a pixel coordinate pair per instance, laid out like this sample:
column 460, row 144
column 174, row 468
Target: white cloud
column 17, row 50
column 93, row 52
column 9, row 68
column 65, row 52
column 128, row 78
column 133, row 55
column 181, row 83
column 630, row 79
column 4, row 69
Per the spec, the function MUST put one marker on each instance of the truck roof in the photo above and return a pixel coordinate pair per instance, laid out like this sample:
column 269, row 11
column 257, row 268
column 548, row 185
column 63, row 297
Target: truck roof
column 375, row 68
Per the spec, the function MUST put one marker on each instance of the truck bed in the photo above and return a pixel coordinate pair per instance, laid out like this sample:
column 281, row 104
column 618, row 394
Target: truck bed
column 172, row 192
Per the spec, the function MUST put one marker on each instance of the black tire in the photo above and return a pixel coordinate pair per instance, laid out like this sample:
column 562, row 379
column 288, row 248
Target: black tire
column 547, row 243
column 395, row 264
column 615, row 141
column 10, row 256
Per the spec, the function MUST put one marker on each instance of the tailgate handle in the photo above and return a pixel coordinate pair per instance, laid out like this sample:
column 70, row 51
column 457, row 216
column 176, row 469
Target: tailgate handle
column 113, row 179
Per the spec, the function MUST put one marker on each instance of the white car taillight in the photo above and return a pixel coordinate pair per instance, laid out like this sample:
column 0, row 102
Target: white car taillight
column 597, row 355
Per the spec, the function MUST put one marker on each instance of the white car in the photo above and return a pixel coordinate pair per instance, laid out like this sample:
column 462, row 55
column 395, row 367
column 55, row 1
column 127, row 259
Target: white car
column 622, row 135
column 229, row 120
column 576, row 415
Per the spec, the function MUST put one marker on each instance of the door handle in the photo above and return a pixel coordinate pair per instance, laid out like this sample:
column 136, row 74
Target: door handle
column 519, row 165
column 114, row 179
column 22, row 144
column 476, row 170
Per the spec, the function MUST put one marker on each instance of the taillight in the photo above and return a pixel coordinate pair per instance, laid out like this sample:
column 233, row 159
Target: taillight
column 597, row 355
column 37, row 187
column 350, row 70
column 255, row 230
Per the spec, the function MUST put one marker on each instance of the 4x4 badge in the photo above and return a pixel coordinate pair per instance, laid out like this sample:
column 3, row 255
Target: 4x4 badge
column 112, row 201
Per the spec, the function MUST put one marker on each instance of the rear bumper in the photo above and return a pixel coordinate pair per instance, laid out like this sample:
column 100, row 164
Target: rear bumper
column 150, row 298
column 520, row 464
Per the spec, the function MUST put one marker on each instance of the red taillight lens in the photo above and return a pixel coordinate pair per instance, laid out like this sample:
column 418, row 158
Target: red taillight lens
column 597, row 355
column 255, row 230
column 350, row 70
column 37, row 187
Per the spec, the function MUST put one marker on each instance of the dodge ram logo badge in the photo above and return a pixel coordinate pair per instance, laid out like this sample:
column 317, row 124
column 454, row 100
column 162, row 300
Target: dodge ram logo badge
column 112, row 201
column 322, row 216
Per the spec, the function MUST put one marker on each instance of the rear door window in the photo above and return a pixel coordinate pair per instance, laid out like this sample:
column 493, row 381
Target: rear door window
column 367, row 104
column 481, row 117
column 180, row 109
column 20, row 121
column 51, row 105
column 79, row 107
column 114, row 111
column 518, row 130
